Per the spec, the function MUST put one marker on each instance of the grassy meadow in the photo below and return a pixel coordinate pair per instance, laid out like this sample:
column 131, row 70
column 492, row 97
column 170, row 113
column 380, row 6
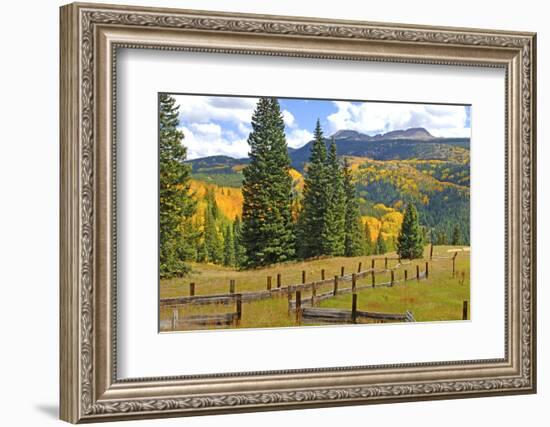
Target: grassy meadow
column 438, row 298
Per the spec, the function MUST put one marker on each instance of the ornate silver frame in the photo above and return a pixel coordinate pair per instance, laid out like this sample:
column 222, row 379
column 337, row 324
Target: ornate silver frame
column 90, row 35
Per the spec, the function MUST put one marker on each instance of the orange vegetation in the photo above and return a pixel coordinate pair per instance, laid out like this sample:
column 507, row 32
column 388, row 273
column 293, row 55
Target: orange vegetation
column 228, row 199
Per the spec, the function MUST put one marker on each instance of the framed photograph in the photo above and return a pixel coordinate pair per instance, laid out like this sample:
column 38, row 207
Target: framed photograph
column 267, row 212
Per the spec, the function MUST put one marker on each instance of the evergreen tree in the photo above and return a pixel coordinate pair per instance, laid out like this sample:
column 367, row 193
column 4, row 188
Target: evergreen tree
column 312, row 223
column 333, row 236
column 380, row 245
column 368, row 243
column 239, row 249
column 228, row 246
column 456, row 239
column 176, row 205
column 410, row 242
column 212, row 241
column 353, row 230
column 267, row 230
column 441, row 237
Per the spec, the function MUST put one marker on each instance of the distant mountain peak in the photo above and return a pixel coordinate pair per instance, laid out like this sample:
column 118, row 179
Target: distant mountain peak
column 411, row 133
column 347, row 133
column 418, row 133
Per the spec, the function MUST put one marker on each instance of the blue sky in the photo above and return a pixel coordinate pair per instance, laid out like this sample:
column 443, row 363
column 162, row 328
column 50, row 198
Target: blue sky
column 215, row 125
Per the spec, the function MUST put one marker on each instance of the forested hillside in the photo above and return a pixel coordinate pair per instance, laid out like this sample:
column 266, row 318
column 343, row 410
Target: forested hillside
column 389, row 171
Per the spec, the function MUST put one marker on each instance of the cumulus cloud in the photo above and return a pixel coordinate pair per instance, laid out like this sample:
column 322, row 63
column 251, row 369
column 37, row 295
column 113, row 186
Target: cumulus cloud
column 208, row 139
column 219, row 125
column 289, row 119
column 205, row 109
column 373, row 118
column 297, row 138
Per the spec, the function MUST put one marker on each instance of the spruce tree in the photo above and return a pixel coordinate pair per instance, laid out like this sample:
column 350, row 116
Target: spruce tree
column 441, row 237
column 228, row 246
column 381, row 247
column 267, row 229
column 410, row 242
column 239, row 249
column 456, row 239
column 368, row 243
column 353, row 230
column 212, row 241
column 333, row 237
column 176, row 205
column 312, row 223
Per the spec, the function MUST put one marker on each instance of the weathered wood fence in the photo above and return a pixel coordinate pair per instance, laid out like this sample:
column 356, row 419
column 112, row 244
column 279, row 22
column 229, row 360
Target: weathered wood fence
column 222, row 319
column 334, row 315
column 280, row 290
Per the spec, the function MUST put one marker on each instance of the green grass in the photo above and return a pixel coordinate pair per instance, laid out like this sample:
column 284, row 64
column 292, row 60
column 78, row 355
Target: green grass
column 438, row 298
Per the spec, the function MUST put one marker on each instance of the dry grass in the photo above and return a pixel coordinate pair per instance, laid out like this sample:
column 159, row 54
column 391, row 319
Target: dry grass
column 438, row 298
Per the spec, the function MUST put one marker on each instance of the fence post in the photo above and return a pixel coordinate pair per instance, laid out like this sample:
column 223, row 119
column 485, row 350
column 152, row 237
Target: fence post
column 192, row 289
column 354, row 308
column 268, row 283
column 392, row 278
column 323, row 274
column 431, row 250
column 289, row 298
column 454, row 259
column 342, row 271
column 313, row 294
column 303, row 276
column 385, row 263
column 232, row 286
column 372, row 263
column 298, row 307
column 278, row 280
column 353, row 282
column 239, row 308
column 417, row 272
column 175, row 314
column 335, row 285
column 406, row 274
column 465, row 310
column 427, row 269
column 359, row 267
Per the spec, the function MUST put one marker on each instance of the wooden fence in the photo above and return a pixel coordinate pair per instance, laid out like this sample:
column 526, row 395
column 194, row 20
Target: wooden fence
column 288, row 290
column 333, row 315
column 223, row 319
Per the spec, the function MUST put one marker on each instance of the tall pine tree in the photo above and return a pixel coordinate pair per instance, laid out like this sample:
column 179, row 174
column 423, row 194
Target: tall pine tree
column 312, row 222
column 176, row 205
column 410, row 242
column 267, row 229
column 455, row 238
column 380, row 247
column 239, row 248
column 333, row 234
column 353, row 230
column 228, row 246
column 212, row 240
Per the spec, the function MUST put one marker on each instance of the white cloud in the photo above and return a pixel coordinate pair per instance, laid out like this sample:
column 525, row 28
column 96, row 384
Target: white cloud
column 205, row 109
column 208, row 139
column 297, row 138
column 373, row 118
column 288, row 118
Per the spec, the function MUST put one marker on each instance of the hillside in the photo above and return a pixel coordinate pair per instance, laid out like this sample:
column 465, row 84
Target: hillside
column 416, row 143
column 390, row 170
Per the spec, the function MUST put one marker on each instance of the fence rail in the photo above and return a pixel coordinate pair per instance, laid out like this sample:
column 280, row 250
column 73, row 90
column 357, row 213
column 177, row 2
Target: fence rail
column 332, row 315
column 289, row 289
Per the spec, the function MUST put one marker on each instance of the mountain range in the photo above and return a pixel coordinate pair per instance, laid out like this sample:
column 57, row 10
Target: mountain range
column 390, row 170
column 413, row 143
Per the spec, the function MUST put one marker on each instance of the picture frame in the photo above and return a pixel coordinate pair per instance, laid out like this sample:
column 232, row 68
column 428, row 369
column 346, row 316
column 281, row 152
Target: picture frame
column 91, row 35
